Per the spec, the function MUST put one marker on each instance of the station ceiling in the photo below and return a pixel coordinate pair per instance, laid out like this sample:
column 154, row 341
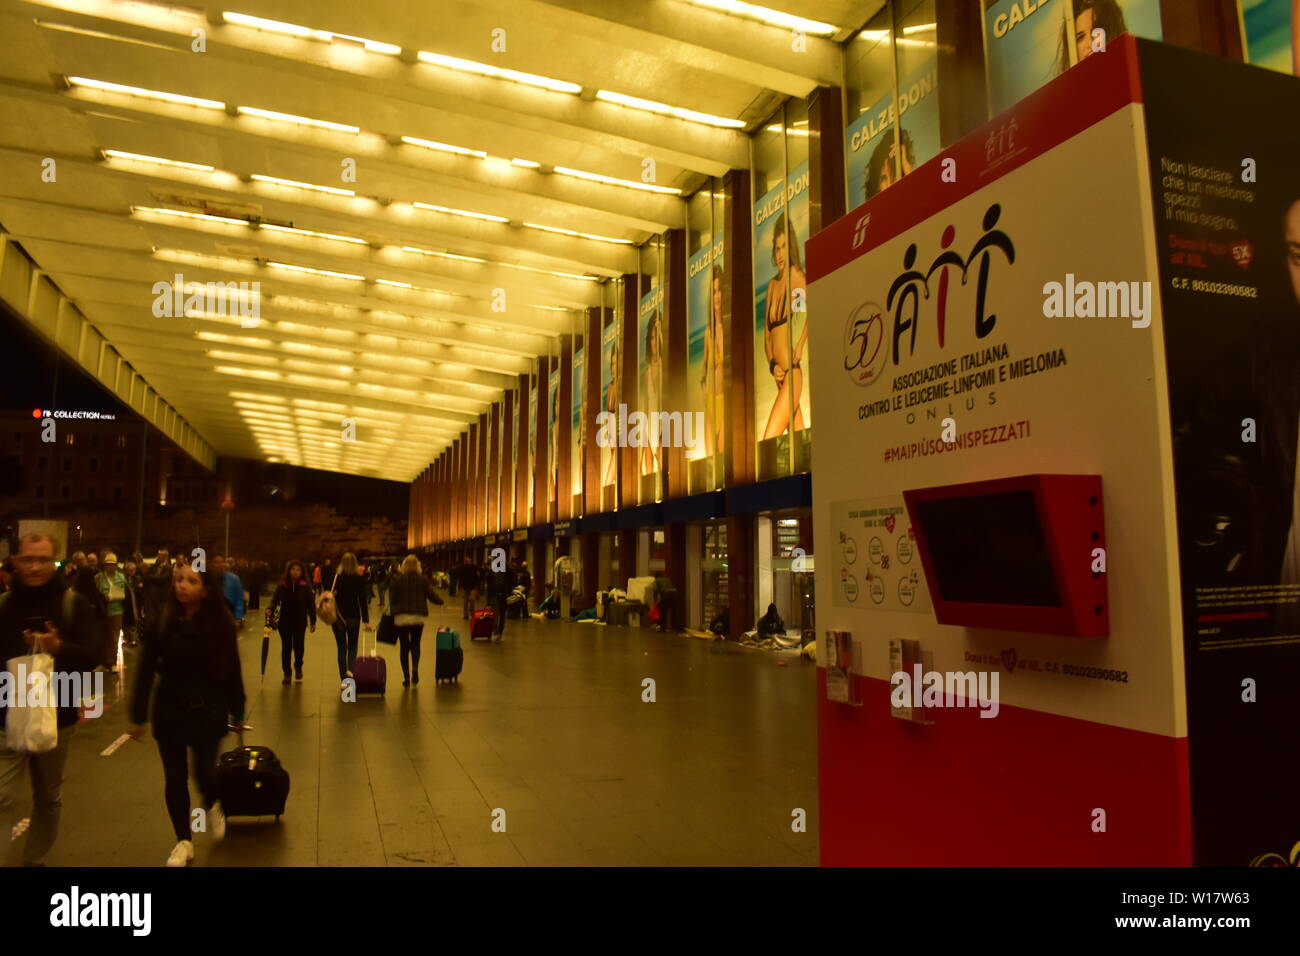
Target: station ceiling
column 426, row 194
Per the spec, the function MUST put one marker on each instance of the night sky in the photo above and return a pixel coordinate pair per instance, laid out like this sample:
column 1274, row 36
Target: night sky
column 35, row 374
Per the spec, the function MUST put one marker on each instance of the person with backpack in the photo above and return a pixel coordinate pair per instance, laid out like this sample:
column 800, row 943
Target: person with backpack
column 292, row 608
column 350, row 599
column 67, row 631
column 191, row 648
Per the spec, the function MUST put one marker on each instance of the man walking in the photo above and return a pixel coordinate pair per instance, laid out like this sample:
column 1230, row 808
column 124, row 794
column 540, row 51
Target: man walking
column 469, row 583
column 67, row 631
column 499, row 585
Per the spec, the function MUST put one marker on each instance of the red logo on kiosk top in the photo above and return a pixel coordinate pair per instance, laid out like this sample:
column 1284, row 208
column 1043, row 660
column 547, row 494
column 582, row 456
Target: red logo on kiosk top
column 889, row 524
column 1243, row 252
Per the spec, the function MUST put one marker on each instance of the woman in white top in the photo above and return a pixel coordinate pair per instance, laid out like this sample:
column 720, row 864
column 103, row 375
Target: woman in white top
column 408, row 595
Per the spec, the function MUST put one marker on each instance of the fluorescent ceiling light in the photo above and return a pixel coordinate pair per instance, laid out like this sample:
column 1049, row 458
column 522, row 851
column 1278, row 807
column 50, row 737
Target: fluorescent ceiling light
column 483, row 69
column 443, row 147
column 185, row 214
column 157, row 161
column 395, row 285
column 580, row 235
column 442, row 255
column 550, row 272
column 332, row 190
column 246, row 372
column 774, row 18
column 145, row 94
column 258, row 397
column 307, row 33
column 526, row 163
column 460, row 212
column 612, row 181
column 326, row 273
column 313, row 235
column 252, row 343
column 298, row 120
column 251, row 359
column 663, row 109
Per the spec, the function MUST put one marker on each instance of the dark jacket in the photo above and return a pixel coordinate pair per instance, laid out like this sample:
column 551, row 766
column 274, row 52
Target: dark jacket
column 408, row 593
column 157, row 585
column 297, row 605
column 351, row 598
column 82, row 641
column 500, row 583
column 193, row 705
column 469, row 577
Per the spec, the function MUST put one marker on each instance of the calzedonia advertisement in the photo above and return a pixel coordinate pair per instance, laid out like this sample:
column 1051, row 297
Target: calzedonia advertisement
column 781, row 368
column 1028, row 42
column 878, row 154
column 706, row 352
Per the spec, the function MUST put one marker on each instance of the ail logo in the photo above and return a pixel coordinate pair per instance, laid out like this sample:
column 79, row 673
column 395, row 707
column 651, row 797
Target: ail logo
column 869, row 343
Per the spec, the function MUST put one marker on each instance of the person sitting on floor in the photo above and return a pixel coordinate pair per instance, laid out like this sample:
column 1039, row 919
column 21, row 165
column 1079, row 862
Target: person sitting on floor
column 770, row 624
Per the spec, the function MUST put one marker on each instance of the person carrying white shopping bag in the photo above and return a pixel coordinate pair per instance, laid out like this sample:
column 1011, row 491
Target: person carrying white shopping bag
column 42, row 624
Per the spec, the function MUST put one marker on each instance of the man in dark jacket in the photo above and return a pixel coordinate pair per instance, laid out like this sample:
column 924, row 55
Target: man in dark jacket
column 36, row 616
column 499, row 585
column 157, row 585
column 469, row 582
column 665, row 595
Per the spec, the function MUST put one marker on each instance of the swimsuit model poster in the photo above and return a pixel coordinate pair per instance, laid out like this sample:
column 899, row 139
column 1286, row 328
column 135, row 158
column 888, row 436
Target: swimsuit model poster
column 780, row 321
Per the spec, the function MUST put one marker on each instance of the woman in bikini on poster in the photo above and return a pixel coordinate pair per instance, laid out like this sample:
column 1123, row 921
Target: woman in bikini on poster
column 611, row 406
column 654, row 390
column 784, row 366
column 713, row 381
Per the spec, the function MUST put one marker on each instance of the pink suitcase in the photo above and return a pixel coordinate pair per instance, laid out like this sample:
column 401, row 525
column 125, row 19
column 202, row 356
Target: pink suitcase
column 370, row 673
column 483, row 624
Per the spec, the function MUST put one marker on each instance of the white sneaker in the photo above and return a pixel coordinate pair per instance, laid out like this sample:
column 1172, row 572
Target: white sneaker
column 181, row 853
column 217, row 822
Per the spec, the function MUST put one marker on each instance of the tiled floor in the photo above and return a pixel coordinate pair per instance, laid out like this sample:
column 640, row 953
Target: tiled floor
column 549, row 727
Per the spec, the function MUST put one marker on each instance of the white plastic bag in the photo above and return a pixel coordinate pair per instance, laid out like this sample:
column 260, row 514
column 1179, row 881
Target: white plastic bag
column 32, row 721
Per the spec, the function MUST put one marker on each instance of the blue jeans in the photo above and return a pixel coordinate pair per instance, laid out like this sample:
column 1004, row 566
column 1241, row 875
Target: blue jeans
column 346, row 635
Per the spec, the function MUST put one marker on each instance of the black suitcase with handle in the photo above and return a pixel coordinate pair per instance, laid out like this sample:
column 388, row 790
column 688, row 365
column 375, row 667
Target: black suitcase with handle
column 251, row 782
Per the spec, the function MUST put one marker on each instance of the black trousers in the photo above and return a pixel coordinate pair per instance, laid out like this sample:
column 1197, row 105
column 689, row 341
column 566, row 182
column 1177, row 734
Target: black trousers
column 293, row 640
column 176, row 784
column 499, row 609
column 408, row 649
column 667, row 610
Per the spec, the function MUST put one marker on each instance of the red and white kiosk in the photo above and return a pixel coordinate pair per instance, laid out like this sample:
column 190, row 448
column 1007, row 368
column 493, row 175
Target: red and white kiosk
column 1032, row 361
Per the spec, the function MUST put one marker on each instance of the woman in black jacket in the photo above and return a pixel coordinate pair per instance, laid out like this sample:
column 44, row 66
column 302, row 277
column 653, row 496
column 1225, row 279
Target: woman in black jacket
column 353, row 605
column 191, row 647
column 297, row 605
column 408, row 598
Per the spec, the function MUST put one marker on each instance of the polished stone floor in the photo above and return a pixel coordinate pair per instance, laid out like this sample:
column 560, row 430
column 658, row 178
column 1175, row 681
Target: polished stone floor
column 549, row 727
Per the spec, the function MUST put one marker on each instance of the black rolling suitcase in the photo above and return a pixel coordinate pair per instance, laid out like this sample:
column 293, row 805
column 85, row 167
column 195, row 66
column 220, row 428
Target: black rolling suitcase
column 251, row 782
column 448, row 656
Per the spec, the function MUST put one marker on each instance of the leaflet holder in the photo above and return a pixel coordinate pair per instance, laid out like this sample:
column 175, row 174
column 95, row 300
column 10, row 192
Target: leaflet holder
column 1016, row 554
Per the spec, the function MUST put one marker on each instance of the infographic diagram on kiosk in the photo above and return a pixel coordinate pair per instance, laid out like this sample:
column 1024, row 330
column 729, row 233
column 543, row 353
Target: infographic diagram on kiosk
column 877, row 566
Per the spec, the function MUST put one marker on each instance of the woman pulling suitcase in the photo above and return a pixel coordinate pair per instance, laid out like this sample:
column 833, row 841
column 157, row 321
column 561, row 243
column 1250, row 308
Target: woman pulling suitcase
column 409, row 596
column 191, row 648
